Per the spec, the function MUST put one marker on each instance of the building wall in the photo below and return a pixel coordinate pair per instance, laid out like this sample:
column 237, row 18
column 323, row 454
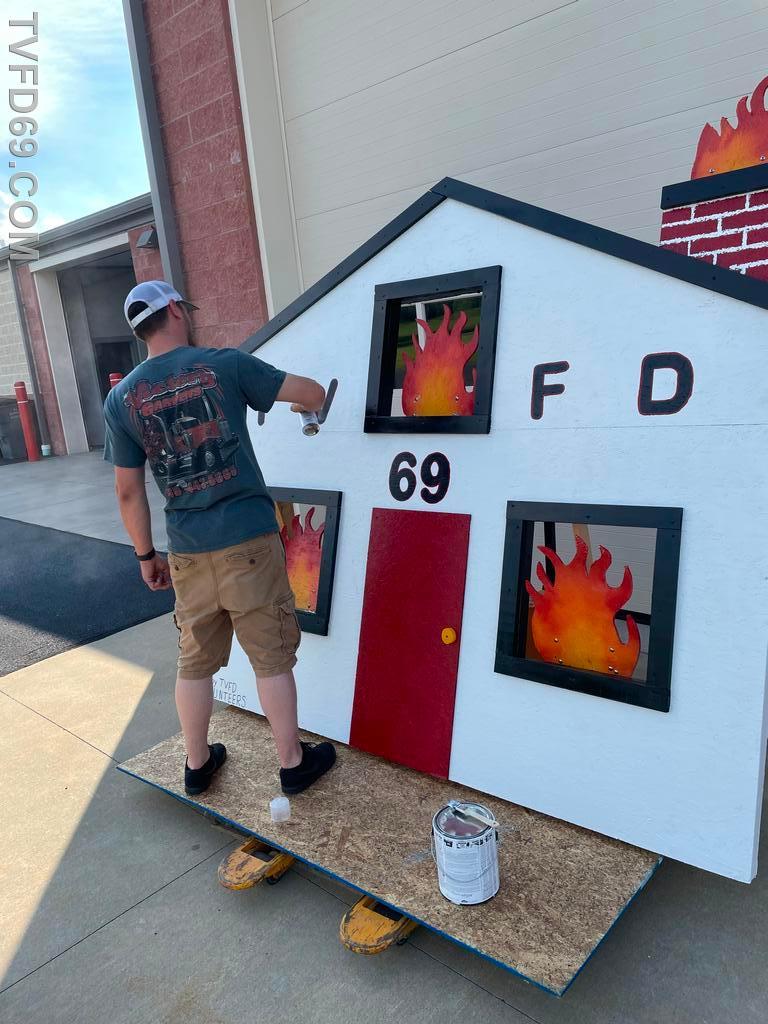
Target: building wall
column 42, row 359
column 585, row 108
column 195, row 81
column 147, row 264
column 13, row 361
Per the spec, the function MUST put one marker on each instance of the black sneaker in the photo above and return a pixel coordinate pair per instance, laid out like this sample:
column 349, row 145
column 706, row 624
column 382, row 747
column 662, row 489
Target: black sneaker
column 197, row 780
column 317, row 759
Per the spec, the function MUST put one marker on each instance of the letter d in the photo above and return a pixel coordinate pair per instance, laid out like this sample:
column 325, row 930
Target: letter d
column 12, row 95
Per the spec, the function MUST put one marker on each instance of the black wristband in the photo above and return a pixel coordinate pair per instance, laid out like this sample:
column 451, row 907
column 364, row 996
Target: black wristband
column 146, row 558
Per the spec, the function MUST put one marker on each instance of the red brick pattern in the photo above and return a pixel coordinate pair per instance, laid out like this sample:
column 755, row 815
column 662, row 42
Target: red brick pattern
column 747, row 219
column 681, row 247
column 730, row 232
column 42, row 360
column 147, row 264
column 715, row 206
column 693, row 229
column 682, row 213
column 716, row 242
column 193, row 67
column 739, row 257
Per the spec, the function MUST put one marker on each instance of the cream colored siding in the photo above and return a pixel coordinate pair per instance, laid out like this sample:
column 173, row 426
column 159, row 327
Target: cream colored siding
column 340, row 48
column 281, row 7
column 586, row 107
column 13, row 362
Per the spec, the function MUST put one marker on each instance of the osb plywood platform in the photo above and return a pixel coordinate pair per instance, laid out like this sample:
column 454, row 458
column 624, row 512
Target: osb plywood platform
column 368, row 822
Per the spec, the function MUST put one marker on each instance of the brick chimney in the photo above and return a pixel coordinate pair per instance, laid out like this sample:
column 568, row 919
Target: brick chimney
column 722, row 219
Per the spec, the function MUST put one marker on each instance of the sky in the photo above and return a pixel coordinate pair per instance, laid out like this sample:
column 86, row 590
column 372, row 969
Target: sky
column 90, row 150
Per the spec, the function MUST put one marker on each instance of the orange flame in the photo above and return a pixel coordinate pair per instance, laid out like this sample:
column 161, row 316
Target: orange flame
column 303, row 547
column 742, row 146
column 434, row 378
column 574, row 618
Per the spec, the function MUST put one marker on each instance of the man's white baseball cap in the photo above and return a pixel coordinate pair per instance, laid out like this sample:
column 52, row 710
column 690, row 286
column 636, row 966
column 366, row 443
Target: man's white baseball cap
column 155, row 295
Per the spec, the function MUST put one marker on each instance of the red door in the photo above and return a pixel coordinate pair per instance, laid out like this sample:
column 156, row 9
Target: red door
column 406, row 674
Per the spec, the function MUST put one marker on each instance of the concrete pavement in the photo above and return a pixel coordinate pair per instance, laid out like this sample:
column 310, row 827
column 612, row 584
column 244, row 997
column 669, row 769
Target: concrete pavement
column 75, row 494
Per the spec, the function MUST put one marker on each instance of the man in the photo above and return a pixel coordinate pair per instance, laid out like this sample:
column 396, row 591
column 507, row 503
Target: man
column 184, row 410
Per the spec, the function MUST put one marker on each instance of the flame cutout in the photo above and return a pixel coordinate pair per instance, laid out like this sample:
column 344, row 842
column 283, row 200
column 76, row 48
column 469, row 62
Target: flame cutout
column 434, row 377
column 742, row 146
column 574, row 617
column 302, row 553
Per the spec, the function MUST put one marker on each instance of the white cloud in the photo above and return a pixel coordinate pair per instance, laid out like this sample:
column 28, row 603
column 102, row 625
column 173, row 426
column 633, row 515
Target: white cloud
column 90, row 152
column 50, row 220
column 73, row 37
column 45, row 221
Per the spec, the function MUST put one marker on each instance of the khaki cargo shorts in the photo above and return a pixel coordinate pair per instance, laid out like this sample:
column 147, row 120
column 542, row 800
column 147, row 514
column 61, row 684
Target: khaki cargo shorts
column 244, row 588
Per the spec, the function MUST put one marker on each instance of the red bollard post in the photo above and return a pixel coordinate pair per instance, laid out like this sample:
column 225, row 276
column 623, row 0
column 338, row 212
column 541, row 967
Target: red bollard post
column 114, row 378
column 27, row 421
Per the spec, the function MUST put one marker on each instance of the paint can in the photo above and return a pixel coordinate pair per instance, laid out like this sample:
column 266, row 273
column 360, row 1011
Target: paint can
column 310, row 424
column 466, row 848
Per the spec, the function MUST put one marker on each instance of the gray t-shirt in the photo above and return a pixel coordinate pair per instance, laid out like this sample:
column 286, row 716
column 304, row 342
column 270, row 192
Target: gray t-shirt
column 185, row 411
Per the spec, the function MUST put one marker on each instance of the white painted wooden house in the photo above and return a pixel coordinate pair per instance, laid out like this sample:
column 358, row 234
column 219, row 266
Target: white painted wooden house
column 616, row 402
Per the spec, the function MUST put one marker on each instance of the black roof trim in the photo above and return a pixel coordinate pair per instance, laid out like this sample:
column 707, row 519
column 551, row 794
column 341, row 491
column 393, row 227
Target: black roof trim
column 643, row 254
column 353, row 262
column 112, row 220
column 715, row 186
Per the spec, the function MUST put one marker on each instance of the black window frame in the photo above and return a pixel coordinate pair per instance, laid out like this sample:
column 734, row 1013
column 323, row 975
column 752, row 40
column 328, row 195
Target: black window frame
column 655, row 692
column 318, row 621
column 384, row 334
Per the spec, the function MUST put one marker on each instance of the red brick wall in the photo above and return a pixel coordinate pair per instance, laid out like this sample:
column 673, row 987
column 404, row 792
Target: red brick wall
column 42, row 361
column 730, row 232
column 147, row 264
column 193, row 67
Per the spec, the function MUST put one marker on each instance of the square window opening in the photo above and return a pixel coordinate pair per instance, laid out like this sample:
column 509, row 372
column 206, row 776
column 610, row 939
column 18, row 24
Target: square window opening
column 309, row 521
column 436, row 356
column 588, row 599
column 301, row 528
column 432, row 354
column 589, row 592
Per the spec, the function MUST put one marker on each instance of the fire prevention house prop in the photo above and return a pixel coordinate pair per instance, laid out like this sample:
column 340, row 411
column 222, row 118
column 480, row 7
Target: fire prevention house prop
column 548, row 577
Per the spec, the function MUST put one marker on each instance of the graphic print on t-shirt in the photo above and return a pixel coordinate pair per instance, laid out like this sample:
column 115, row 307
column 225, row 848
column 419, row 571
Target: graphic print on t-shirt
column 188, row 441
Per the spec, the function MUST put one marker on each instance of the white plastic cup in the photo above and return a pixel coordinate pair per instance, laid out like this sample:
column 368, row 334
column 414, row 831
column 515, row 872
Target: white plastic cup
column 280, row 809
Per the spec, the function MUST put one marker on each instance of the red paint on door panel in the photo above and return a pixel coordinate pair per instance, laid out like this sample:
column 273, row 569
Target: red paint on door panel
column 406, row 676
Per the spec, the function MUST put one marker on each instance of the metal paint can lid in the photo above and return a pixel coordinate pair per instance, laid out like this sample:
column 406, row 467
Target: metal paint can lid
column 462, row 819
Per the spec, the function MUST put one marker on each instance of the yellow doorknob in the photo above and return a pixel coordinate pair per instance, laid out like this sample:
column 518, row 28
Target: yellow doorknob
column 448, row 635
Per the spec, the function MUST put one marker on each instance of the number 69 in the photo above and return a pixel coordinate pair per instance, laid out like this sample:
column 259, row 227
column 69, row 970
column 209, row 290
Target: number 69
column 435, row 475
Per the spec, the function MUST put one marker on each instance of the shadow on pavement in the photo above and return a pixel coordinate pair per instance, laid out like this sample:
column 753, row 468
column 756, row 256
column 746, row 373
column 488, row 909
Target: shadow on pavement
column 58, row 590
